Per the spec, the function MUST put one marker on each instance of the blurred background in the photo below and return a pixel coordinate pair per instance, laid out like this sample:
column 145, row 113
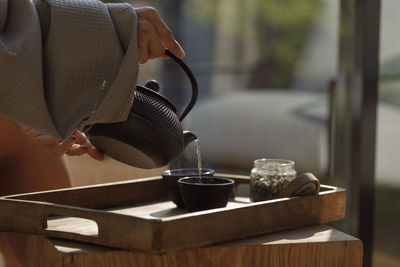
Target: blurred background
column 266, row 71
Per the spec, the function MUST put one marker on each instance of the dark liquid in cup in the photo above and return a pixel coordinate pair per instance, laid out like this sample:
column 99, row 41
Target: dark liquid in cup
column 184, row 173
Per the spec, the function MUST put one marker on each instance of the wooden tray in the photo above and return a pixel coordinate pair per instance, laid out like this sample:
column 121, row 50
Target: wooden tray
column 136, row 214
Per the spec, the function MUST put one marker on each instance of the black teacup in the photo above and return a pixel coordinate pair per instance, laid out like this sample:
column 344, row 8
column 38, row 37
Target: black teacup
column 205, row 192
column 171, row 177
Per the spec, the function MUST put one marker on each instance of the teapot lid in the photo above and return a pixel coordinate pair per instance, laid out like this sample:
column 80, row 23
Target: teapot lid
column 157, row 95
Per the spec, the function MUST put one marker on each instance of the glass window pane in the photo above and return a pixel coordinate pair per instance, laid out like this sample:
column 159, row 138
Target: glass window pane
column 387, row 214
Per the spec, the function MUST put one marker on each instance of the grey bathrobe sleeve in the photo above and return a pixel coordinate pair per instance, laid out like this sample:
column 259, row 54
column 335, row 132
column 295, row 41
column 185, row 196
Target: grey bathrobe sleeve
column 67, row 64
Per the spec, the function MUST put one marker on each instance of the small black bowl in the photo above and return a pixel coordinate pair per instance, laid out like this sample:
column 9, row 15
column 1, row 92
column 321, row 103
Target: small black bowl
column 171, row 177
column 205, row 193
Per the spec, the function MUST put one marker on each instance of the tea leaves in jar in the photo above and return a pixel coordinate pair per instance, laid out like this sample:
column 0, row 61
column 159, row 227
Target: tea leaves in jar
column 269, row 177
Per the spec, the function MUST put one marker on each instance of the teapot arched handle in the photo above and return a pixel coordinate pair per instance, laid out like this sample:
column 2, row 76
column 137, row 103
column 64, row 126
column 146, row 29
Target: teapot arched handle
column 192, row 79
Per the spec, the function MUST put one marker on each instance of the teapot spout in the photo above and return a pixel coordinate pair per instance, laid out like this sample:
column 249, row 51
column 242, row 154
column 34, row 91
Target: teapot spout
column 188, row 137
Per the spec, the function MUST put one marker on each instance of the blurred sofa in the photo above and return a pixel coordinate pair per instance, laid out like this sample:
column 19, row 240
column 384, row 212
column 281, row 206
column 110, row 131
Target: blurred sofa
column 237, row 128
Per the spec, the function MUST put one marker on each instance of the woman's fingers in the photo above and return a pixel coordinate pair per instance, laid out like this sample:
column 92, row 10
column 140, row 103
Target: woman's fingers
column 159, row 33
column 80, row 137
column 95, row 153
column 149, row 44
column 144, row 37
column 30, row 132
column 77, row 150
column 75, row 145
column 39, row 137
column 65, row 145
column 46, row 140
column 82, row 140
column 156, row 49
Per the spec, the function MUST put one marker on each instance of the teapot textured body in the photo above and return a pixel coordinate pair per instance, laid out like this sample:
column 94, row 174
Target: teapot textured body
column 152, row 136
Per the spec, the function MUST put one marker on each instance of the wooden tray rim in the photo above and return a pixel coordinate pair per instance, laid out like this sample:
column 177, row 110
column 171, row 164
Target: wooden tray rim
column 239, row 179
column 156, row 234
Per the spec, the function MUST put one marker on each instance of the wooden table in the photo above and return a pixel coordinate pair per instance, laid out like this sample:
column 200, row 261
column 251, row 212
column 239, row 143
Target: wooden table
column 312, row 246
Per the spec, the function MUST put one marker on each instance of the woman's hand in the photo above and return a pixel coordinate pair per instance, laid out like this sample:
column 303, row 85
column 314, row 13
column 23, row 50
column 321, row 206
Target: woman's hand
column 154, row 36
column 75, row 145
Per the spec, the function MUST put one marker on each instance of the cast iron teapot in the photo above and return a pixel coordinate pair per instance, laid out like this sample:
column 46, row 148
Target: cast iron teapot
column 152, row 136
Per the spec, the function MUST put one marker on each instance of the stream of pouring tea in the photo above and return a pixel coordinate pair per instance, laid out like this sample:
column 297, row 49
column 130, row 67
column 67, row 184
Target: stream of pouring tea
column 199, row 166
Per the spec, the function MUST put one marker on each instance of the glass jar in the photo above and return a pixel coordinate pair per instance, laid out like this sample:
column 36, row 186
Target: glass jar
column 269, row 177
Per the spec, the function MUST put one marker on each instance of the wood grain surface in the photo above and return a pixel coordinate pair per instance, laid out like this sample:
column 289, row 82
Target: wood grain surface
column 312, row 246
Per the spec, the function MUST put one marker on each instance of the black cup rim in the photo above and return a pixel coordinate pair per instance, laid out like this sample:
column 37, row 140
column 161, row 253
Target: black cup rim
column 228, row 181
column 205, row 171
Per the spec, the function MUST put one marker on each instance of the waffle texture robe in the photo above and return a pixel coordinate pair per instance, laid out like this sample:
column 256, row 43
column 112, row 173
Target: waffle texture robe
column 67, row 64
